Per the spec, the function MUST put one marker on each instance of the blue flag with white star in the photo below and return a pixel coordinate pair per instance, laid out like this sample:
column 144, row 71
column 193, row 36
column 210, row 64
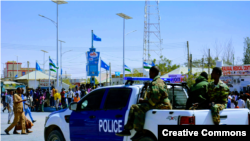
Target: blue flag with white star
column 117, row 73
column 104, row 65
column 95, row 38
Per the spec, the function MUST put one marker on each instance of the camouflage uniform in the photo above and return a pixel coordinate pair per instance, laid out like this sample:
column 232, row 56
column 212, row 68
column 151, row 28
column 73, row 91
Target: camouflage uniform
column 198, row 94
column 217, row 94
column 157, row 99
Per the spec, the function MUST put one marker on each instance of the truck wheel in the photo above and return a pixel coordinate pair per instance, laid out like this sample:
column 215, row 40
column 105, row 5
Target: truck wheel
column 55, row 136
column 146, row 139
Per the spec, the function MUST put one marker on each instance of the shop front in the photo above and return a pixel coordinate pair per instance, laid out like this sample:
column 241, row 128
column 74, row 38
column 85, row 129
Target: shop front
column 236, row 77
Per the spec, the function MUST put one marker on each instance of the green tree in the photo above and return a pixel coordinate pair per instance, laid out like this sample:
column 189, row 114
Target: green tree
column 246, row 54
column 67, row 81
column 165, row 65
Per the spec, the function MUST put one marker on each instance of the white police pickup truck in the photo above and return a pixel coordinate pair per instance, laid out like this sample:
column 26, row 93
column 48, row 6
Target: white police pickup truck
column 104, row 112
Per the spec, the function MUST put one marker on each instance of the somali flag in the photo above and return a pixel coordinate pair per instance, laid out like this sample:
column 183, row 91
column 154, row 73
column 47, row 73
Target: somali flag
column 117, row 73
column 127, row 68
column 104, row 65
column 146, row 65
column 153, row 64
column 38, row 67
column 95, row 38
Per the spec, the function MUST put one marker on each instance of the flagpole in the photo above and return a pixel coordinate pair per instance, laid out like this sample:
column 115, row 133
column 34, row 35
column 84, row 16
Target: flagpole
column 92, row 38
column 142, row 67
column 100, row 71
column 35, row 73
column 49, row 78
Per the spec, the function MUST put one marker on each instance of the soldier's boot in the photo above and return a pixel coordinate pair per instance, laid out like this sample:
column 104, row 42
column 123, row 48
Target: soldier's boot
column 124, row 133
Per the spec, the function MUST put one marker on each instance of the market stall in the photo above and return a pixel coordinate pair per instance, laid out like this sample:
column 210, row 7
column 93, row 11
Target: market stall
column 11, row 85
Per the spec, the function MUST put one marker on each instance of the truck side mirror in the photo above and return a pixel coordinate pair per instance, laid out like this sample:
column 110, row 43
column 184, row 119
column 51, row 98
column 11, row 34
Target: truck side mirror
column 73, row 106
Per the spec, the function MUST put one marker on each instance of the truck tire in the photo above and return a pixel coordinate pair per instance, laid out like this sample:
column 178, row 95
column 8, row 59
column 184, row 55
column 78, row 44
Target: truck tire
column 147, row 139
column 55, row 136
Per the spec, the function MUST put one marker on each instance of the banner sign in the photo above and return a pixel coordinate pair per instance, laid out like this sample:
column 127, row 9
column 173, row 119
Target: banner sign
column 45, row 83
column 9, row 86
column 236, row 70
column 93, row 60
column 176, row 78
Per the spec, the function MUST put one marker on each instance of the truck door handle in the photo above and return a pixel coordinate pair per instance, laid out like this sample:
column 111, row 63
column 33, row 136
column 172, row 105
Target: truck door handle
column 118, row 116
column 91, row 117
column 223, row 117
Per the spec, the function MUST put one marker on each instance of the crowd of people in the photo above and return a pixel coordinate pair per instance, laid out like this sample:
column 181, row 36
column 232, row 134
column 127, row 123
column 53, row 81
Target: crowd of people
column 19, row 104
column 63, row 98
column 236, row 100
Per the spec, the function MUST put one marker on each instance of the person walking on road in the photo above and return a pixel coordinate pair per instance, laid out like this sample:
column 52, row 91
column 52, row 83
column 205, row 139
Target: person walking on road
column 10, row 106
column 5, row 97
column 28, row 105
column 18, row 113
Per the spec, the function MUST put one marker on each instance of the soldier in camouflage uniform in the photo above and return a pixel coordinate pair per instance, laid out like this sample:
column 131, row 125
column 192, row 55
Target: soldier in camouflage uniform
column 198, row 93
column 217, row 95
column 157, row 99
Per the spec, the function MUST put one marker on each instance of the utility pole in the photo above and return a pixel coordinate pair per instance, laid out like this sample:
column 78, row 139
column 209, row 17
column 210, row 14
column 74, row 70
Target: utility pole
column 208, row 61
column 188, row 56
column 191, row 63
column 233, row 59
column 110, row 73
column 13, row 72
column 202, row 63
column 28, row 72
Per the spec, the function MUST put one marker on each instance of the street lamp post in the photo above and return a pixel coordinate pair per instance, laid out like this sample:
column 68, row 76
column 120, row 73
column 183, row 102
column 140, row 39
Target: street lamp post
column 17, row 65
column 130, row 32
column 61, row 65
column 56, row 23
column 61, row 59
column 44, row 59
column 124, row 17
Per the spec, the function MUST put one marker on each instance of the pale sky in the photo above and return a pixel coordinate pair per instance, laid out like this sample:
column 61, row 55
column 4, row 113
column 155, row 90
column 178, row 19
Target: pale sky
column 24, row 33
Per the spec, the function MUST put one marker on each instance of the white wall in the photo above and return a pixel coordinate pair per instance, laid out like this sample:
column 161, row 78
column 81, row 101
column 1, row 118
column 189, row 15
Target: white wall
column 33, row 84
column 239, row 86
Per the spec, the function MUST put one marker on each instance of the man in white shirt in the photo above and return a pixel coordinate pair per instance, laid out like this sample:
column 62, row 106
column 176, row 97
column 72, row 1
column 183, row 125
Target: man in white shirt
column 241, row 102
column 27, row 104
column 10, row 104
column 77, row 91
column 70, row 95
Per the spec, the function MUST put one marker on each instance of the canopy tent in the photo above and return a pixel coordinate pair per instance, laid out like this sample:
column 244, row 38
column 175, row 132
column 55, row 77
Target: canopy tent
column 39, row 75
column 8, row 85
column 184, row 70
